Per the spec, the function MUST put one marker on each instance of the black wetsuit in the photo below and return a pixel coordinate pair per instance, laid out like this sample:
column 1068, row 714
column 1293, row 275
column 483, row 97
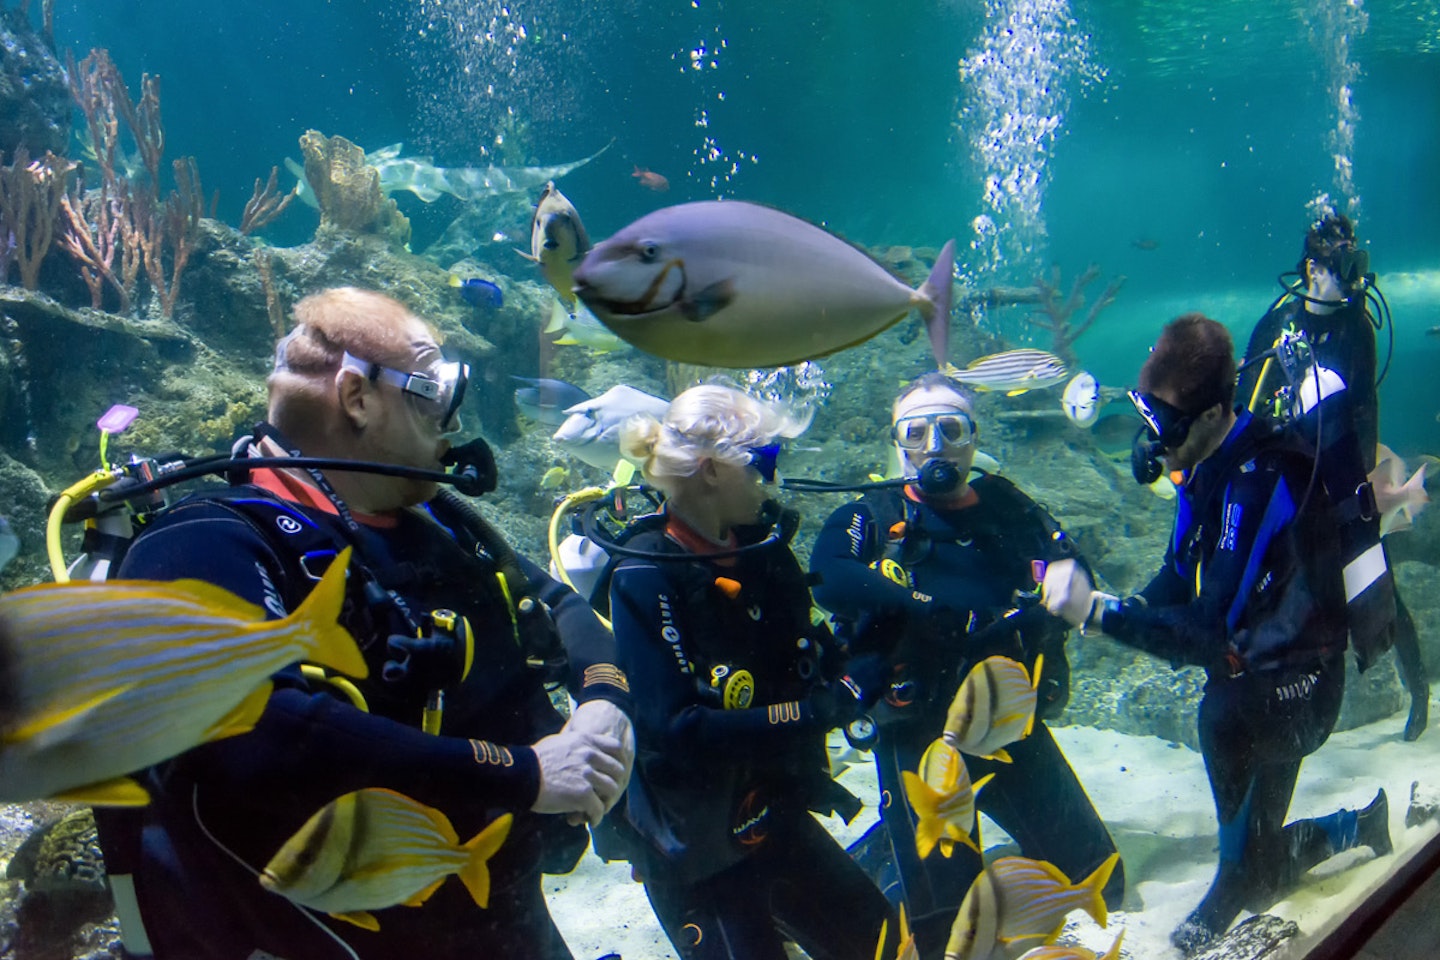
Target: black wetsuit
column 948, row 567
column 1268, row 624
column 220, row 811
column 1344, row 341
column 719, row 805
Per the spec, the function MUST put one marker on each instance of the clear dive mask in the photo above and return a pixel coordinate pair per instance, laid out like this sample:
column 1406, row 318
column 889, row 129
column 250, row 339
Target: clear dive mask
column 953, row 429
column 436, row 393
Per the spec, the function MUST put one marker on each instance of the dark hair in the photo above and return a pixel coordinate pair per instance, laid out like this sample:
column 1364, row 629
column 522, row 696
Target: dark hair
column 1195, row 359
column 1325, row 236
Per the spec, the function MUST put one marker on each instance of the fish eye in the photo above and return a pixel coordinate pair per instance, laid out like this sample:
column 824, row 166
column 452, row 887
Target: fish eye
column 649, row 251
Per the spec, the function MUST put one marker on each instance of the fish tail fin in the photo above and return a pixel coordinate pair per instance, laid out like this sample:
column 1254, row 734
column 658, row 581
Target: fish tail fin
column 455, row 281
column 330, row 644
column 1415, row 487
column 481, row 847
column 1034, row 685
column 1095, row 883
column 935, row 302
column 925, row 801
column 1114, row 952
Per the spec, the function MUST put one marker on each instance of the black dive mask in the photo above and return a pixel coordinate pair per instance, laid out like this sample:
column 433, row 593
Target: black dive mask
column 1350, row 264
column 939, row 477
column 1166, row 427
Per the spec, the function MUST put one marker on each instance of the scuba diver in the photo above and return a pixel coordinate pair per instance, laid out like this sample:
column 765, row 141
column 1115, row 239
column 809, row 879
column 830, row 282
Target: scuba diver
column 453, row 714
column 948, row 561
column 1251, row 589
column 1330, row 307
column 712, row 619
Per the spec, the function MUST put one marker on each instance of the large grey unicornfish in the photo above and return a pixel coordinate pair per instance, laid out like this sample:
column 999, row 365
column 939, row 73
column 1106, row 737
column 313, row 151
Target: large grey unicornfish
column 734, row 284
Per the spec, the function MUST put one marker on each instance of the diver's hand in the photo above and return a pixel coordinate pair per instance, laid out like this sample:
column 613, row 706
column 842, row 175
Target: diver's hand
column 1067, row 591
column 604, row 718
column 580, row 773
column 592, row 419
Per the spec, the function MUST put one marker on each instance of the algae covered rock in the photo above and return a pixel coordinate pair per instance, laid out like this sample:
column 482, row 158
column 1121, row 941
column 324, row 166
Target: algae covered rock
column 348, row 190
column 34, row 98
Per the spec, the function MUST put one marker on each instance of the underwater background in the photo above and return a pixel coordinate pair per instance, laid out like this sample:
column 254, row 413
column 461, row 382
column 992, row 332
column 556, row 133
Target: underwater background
column 1170, row 153
column 1178, row 144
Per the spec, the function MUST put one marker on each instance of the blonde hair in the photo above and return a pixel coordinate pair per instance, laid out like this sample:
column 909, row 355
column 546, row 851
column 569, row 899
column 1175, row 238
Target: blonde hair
column 328, row 325
column 707, row 421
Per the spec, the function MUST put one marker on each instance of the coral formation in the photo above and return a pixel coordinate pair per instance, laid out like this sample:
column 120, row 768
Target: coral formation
column 348, row 190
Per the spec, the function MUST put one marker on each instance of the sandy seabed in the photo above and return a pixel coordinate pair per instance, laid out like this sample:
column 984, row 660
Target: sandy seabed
column 1154, row 797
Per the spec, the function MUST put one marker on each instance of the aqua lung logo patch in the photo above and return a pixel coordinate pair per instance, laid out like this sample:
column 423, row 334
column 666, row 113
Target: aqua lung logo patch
column 752, row 821
column 288, row 524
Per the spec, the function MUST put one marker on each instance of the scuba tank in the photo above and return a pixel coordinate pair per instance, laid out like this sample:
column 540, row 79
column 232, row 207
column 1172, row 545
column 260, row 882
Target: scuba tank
column 1314, row 405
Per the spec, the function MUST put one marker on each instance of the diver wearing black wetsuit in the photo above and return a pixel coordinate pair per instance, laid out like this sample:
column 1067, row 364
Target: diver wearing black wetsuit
column 732, row 860
column 1251, row 590
column 954, row 572
column 1338, row 326
column 220, row 811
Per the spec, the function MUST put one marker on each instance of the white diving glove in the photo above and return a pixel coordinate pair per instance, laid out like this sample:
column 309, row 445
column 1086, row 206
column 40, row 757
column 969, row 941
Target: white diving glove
column 1068, row 594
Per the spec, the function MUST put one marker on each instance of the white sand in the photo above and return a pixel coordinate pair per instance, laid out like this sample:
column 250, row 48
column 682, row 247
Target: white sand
column 1154, row 797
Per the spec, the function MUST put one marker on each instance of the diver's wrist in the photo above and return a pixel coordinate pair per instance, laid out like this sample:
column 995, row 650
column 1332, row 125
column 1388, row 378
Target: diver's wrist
column 1102, row 605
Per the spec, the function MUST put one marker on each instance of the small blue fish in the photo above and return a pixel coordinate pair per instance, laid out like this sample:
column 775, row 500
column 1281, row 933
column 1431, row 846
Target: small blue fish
column 9, row 543
column 547, row 400
column 479, row 293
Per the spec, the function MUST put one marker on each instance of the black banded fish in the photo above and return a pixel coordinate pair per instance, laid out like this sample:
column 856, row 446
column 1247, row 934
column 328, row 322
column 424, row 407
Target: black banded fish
column 376, row 848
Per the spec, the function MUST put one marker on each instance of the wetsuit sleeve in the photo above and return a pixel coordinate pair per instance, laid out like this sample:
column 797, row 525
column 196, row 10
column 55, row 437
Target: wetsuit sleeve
column 594, row 670
column 848, row 586
column 1196, row 631
column 650, row 632
column 313, row 742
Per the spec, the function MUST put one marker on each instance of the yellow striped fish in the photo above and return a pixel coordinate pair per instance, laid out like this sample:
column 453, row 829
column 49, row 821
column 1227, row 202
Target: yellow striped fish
column 943, row 800
column 1013, row 372
column 376, row 848
column 994, row 706
column 115, row 677
column 1016, row 899
column 1056, row 952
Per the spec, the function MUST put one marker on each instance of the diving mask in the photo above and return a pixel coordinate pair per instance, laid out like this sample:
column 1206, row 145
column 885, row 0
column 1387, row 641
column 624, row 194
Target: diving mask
column 1168, row 425
column 437, row 393
column 763, row 459
column 1350, row 264
column 955, row 429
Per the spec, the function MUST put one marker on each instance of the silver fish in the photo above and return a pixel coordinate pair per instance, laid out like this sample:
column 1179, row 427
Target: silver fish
column 545, row 400
column 733, row 284
column 1014, row 371
column 558, row 242
column 591, row 432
